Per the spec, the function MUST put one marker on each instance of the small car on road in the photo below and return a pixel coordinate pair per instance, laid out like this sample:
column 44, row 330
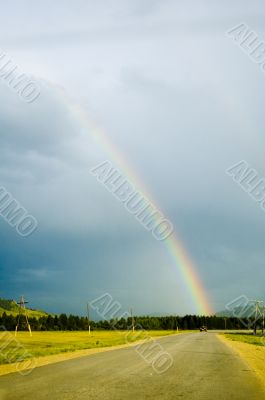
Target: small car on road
column 203, row 329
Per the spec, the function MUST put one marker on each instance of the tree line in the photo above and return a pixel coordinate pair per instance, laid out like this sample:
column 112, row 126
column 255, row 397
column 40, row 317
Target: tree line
column 63, row 322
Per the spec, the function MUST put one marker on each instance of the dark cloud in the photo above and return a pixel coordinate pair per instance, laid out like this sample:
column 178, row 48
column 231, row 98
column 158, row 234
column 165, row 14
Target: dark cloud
column 180, row 101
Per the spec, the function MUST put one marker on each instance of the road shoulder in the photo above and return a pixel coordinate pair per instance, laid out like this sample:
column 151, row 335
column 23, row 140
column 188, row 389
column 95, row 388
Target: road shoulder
column 252, row 354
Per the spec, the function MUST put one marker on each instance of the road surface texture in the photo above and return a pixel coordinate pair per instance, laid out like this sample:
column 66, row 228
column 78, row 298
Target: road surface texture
column 203, row 368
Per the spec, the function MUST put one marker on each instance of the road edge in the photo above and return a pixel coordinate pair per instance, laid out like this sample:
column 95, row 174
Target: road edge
column 243, row 350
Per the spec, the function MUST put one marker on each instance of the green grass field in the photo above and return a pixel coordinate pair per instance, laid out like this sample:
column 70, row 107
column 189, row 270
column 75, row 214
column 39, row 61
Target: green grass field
column 246, row 338
column 47, row 343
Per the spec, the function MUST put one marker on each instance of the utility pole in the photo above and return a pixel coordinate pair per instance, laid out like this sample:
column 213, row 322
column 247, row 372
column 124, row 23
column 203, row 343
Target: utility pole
column 225, row 319
column 257, row 309
column 22, row 311
column 176, row 324
column 88, row 318
column 263, row 316
column 132, row 320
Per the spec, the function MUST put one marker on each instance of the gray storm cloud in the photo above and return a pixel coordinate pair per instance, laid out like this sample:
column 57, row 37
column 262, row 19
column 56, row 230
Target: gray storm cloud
column 178, row 101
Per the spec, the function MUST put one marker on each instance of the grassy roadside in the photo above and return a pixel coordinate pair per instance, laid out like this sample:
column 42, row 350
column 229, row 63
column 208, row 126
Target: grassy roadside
column 49, row 347
column 246, row 338
column 48, row 343
column 250, row 348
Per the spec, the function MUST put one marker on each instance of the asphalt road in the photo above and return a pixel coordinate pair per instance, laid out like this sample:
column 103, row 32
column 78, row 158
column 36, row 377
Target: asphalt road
column 203, row 368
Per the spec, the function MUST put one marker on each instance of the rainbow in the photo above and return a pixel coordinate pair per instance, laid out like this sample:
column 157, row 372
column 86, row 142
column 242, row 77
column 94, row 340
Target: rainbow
column 182, row 261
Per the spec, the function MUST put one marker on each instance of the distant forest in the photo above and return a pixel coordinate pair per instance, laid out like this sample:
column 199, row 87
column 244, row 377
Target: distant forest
column 74, row 323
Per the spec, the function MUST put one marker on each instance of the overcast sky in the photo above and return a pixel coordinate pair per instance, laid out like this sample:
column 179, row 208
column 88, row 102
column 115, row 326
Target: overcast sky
column 180, row 101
